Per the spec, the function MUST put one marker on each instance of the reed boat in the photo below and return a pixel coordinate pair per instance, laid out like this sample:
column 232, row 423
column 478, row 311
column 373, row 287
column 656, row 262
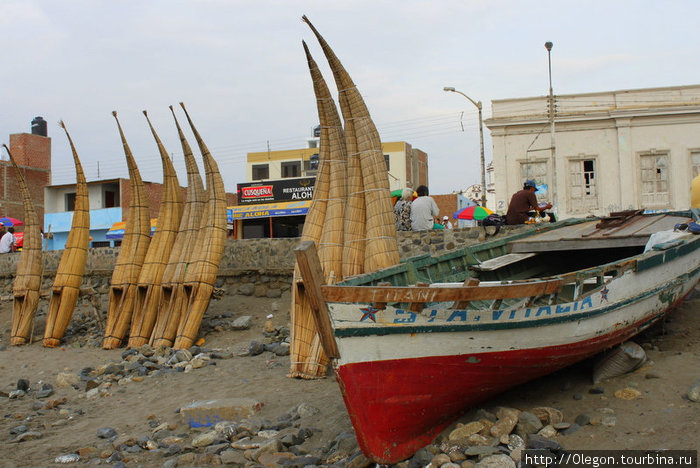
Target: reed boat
column 173, row 304
column 150, row 292
column 200, row 277
column 137, row 237
column 27, row 284
column 417, row 344
column 69, row 274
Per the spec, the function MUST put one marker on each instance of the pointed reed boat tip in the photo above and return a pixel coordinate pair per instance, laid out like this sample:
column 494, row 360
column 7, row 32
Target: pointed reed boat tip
column 145, row 113
column 114, row 113
column 170, row 107
column 62, row 125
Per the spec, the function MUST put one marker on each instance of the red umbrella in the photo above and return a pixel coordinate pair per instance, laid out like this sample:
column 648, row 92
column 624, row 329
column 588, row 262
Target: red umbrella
column 9, row 222
column 473, row 212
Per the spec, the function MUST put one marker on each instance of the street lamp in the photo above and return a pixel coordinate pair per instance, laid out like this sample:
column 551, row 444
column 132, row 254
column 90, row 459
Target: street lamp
column 548, row 45
column 481, row 142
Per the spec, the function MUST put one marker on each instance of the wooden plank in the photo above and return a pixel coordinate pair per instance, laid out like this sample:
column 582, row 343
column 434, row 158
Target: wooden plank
column 581, row 244
column 440, row 294
column 500, row 262
column 312, row 274
column 469, row 282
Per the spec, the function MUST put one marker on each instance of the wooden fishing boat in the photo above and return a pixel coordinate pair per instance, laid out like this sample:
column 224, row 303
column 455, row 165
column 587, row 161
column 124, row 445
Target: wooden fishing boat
column 69, row 275
column 478, row 320
column 27, row 284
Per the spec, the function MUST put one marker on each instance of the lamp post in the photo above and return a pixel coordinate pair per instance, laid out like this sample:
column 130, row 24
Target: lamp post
column 481, row 142
column 548, row 45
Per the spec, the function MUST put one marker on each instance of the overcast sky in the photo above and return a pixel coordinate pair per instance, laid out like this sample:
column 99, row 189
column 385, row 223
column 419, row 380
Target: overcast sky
column 239, row 66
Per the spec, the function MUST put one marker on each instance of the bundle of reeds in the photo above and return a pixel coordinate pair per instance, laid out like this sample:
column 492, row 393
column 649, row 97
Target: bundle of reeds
column 308, row 359
column 173, row 303
column 27, row 283
column 149, row 292
column 200, row 276
column 69, row 275
column 362, row 141
column 137, row 237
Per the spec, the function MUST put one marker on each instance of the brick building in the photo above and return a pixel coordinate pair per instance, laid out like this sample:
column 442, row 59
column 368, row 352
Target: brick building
column 32, row 153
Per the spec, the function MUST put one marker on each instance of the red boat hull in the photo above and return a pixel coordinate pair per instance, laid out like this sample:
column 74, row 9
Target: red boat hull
column 399, row 406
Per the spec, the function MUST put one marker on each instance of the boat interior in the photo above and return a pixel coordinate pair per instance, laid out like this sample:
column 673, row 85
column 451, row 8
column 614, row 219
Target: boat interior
column 584, row 254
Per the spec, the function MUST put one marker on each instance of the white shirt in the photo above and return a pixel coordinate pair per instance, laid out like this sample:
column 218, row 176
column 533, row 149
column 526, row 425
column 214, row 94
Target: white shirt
column 423, row 212
column 8, row 239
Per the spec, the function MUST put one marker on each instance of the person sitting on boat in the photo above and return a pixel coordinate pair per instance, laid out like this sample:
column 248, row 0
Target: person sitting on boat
column 523, row 202
column 402, row 210
column 424, row 210
column 7, row 243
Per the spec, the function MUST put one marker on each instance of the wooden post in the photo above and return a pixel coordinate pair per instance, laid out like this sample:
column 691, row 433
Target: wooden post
column 312, row 276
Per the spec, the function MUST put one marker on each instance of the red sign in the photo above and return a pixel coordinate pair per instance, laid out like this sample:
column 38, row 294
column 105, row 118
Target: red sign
column 259, row 191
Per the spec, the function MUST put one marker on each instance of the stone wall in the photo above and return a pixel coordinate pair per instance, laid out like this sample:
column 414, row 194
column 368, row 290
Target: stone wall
column 259, row 267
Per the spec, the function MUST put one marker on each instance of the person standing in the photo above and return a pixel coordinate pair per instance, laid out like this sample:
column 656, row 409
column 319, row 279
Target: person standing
column 424, row 210
column 524, row 201
column 402, row 210
column 7, row 242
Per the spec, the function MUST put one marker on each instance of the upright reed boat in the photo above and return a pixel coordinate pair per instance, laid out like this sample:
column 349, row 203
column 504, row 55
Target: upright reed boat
column 137, row 237
column 149, row 292
column 200, row 276
column 27, row 284
column 69, row 275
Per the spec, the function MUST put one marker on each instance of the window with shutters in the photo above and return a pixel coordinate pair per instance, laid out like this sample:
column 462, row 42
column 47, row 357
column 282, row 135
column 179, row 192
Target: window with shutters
column 654, row 175
column 582, row 190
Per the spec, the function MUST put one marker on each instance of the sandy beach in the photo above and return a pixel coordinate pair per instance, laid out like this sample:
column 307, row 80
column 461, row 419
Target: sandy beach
column 68, row 420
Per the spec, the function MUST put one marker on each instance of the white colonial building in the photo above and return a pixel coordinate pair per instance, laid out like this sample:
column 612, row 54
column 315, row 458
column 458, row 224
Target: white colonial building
column 612, row 150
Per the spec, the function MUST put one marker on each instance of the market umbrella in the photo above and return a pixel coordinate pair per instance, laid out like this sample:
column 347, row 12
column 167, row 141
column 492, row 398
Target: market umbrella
column 396, row 196
column 473, row 212
column 9, row 222
column 117, row 229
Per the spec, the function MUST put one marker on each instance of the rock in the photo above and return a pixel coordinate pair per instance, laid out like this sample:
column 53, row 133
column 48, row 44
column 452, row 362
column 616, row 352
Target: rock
column 528, row 423
column 232, row 457
column 256, row 348
column 29, row 435
column 577, row 396
column 206, row 439
column 221, row 354
column 88, row 452
column 504, row 425
column 23, row 384
column 478, row 439
column 19, row 429
column 582, row 420
column 625, row 358
column 515, row 441
column 181, row 355
column 304, row 410
column 561, row 426
column 172, row 463
column 483, row 451
column 106, row 433
column 16, row 394
column 69, row 458
column 440, row 459
column 628, row 394
column 269, row 446
column 694, row 392
column 496, row 461
column 45, row 391
column 548, row 415
column 65, row 379
column 537, row 442
column 570, row 430
column 242, row 323
column 209, row 412
column 596, row 390
column 547, row 431
column 464, row 431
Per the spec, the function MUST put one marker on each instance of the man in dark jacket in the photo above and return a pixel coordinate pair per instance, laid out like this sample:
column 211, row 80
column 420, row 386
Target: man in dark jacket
column 524, row 201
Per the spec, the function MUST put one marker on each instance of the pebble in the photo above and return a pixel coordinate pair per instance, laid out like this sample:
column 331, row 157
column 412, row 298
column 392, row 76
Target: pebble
column 19, row 429
column 694, row 392
column 582, row 420
column 29, row 435
column 106, row 433
column 205, row 439
column 23, row 384
column 628, row 394
column 69, row 458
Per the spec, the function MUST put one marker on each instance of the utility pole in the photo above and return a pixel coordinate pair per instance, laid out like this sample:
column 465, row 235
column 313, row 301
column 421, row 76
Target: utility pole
column 548, row 45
